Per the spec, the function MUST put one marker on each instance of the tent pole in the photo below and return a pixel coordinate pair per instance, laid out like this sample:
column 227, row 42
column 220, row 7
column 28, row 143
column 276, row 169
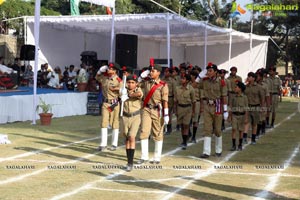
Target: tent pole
column 230, row 43
column 250, row 57
column 168, row 40
column 36, row 56
column 205, row 46
column 112, row 36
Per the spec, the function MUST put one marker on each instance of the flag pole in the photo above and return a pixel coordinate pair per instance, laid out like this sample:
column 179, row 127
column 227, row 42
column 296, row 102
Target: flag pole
column 112, row 36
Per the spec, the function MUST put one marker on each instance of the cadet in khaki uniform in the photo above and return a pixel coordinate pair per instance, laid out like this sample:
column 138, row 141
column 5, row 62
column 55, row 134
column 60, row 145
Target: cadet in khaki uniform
column 131, row 118
column 213, row 91
column 185, row 106
column 172, row 86
column 196, row 117
column 260, row 80
column 238, row 114
column 275, row 86
column 111, row 84
column 233, row 77
column 155, row 113
column 256, row 100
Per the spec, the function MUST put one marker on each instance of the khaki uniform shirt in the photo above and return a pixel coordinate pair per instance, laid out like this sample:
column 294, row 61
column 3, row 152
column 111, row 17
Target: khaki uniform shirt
column 133, row 104
column 185, row 95
column 212, row 88
column 239, row 103
column 254, row 93
column 108, row 82
column 160, row 94
column 171, row 85
column 195, row 85
column 274, row 84
column 265, row 87
column 233, row 80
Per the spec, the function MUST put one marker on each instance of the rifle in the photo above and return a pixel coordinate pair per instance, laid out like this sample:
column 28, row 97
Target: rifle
column 123, row 93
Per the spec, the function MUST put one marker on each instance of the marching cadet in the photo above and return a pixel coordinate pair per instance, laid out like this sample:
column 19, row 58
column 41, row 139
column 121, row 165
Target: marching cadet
column 238, row 114
column 155, row 113
column 233, row 77
column 184, row 106
column 176, row 75
column 126, row 71
column 222, row 73
column 111, row 84
column 256, row 100
column 131, row 118
column 196, row 117
column 172, row 86
column 213, row 91
column 260, row 80
column 275, row 87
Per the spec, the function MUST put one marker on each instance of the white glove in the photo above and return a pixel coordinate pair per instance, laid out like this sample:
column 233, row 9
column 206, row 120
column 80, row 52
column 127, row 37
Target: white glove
column 166, row 116
column 225, row 113
column 124, row 97
column 145, row 73
column 140, row 79
column 201, row 75
column 103, row 69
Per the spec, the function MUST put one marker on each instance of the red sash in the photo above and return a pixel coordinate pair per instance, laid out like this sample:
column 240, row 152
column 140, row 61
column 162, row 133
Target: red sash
column 149, row 95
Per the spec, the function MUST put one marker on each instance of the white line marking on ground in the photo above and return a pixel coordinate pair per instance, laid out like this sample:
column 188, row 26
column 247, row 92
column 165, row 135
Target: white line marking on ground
column 90, row 184
column 131, row 191
column 210, row 170
column 44, row 150
column 18, row 178
column 273, row 180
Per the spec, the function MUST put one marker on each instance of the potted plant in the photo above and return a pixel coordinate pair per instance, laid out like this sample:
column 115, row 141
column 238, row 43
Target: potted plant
column 45, row 115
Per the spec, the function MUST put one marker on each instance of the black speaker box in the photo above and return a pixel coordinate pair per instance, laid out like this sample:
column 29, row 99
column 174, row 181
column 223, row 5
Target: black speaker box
column 89, row 57
column 27, row 52
column 126, row 50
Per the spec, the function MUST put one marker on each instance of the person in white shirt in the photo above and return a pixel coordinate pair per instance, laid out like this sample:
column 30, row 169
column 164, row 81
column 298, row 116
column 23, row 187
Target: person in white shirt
column 54, row 78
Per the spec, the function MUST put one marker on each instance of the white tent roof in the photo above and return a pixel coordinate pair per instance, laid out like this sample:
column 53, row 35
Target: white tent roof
column 152, row 26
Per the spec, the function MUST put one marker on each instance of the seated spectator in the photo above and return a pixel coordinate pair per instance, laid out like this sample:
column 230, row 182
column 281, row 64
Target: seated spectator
column 54, row 78
column 8, row 77
column 28, row 76
column 71, row 78
column 42, row 79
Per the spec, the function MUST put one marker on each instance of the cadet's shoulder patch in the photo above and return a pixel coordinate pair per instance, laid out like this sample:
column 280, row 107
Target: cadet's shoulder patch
column 119, row 79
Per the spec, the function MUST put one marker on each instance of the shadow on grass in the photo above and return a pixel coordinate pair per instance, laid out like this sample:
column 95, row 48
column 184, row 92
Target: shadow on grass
column 168, row 188
column 240, row 190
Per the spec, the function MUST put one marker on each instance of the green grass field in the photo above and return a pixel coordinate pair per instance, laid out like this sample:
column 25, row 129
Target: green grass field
column 61, row 162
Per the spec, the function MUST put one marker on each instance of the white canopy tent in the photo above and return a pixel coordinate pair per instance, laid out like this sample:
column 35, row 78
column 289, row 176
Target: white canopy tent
column 63, row 38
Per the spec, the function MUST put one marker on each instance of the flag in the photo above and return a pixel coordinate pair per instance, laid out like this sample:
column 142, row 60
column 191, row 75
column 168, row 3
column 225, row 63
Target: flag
column 74, row 5
column 1, row 1
column 107, row 3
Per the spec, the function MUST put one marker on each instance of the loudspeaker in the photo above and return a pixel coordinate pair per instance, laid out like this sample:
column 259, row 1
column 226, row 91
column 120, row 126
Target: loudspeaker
column 27, row 52
column 126, row 50
column 89, row 57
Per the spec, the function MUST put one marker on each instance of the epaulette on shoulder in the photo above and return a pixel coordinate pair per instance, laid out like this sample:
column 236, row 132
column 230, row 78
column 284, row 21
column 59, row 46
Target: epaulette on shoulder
column 119, row 79
column 163, row 83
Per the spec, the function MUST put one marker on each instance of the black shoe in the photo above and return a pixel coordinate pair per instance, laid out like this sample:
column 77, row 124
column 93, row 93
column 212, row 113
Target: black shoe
column 240, row 148
column 253, row 142
column 218, row 154
column 204, row 156
column 245, row 141
column 233, row 148
column 141, row 161
column 222, row 128
column 129, row 168
column 101, row 148
column 113, row 148
column 194, row 141
column 155, row 162
column 183, row 147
